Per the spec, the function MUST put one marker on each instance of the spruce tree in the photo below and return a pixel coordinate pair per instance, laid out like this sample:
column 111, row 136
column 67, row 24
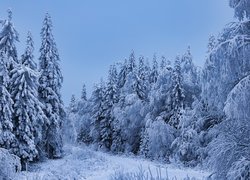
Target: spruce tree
column 83, row 93
column 27, row 58
column 141, row 80
column 154, row 72
column 177, row 94
column 6, row 125
column 110, row 98
column 8, row 37
column 50, row 82
column 24, row 94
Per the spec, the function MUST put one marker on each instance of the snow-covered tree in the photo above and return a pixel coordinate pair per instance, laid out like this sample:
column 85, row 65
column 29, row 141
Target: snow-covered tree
column 163, row 63
column 6, row 126
column 8, row 37
column 84, row 93
column 241, row 8
column 154, row 72
column 177, row 94
column 49, row 90
column 232, row 145
column 26, row 105
column 27, row 58
column 110, row 98
column 96, row 101
column 131, row 62
column 142, row 84
column 190, row 78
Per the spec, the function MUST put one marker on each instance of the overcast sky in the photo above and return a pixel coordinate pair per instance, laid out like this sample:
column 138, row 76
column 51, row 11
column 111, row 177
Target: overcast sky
column 93, row 34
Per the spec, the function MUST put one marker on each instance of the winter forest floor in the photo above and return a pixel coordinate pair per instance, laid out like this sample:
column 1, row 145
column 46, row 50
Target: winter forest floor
column 80, row 162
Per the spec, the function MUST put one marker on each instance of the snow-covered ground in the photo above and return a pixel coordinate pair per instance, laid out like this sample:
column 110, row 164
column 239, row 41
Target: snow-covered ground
column 83, row 163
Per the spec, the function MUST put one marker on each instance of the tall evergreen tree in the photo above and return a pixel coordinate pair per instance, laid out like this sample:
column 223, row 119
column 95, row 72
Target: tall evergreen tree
column 154, row 72
column 49, row 90
column 110, row 98
column 84, row 94
column 8, row 37
column 141, row 80
column 6, row 126
column 27, row 58
column 132, row 62
column 97, row 100
column 26, row 104
column 177, row 94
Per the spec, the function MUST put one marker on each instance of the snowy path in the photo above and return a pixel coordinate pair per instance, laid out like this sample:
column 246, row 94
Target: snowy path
column 82, row 163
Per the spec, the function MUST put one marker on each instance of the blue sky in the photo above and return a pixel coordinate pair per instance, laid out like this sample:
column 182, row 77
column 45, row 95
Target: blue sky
column 93, row 34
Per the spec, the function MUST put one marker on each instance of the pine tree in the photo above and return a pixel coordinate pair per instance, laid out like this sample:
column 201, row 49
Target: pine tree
column 49, row 90
column 154, row 72
column 141, row 80
column 27, row 58
column 163, row 63
column 84, row 94
column 123, row 74
column 177, row 94
column 97, row 100
column 131, row 62
column 24, row 94
column 8, row 38
column 72, row 105
column 6, row 126
column 110, row 98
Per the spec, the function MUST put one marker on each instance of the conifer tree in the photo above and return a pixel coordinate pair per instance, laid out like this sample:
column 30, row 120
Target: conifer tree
column 27, row 58
column 49, row 90
column 6, row 125
column 24, row 94
column 110, row 98
column 8, row 37
column 141, row 80
column 154, row 72
column 177, row 94
column 84, row 94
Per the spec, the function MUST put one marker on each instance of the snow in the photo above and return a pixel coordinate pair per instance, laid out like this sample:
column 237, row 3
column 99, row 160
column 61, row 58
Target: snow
column 81, row 162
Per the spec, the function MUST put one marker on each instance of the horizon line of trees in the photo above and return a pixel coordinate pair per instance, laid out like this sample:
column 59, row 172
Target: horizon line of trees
column 176, row 113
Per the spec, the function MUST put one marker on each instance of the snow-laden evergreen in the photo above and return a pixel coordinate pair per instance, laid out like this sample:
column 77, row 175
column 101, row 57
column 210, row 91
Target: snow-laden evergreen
column 50, row 82
column 27, row 58
column 8, row 37
column 24, row 94
column 7, row 137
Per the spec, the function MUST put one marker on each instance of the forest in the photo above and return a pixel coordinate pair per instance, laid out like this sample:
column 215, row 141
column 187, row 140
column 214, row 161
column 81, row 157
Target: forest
column 162, row 110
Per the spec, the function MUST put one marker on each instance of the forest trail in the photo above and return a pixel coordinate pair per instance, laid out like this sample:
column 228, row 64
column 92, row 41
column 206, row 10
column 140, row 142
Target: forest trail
column 81, row 163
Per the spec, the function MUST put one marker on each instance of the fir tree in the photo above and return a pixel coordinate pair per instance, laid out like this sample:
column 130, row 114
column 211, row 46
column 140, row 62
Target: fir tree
column 123, row 74
column 24, row 94
column 154, row 72
column 163, row 63
column 8, row 37
column 131, row 62
column 49, row 90
column 177, row 94
column 27, row 58
column 141, row 80
column 83, row 93
column 6, row 126
column 110, row 98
